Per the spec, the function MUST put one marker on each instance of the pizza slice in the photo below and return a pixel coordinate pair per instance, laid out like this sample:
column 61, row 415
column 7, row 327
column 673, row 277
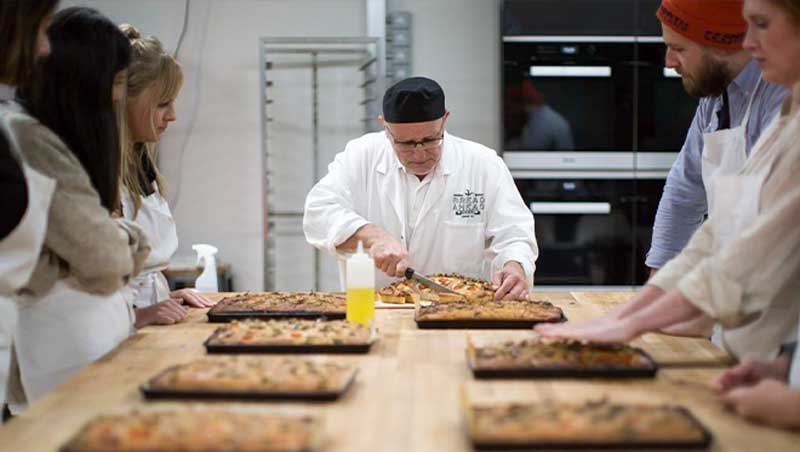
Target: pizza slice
column 466, row 288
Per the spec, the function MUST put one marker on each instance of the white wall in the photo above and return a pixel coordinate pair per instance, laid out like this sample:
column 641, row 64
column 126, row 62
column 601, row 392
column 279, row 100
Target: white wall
column 457, row 43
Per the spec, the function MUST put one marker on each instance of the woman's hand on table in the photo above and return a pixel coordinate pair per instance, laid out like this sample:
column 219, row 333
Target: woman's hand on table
column 167, row 312
column 750, row 372
column 190, row 298
column 641, row 300
column 577, row 329
column 770, row 402
column 609, row 330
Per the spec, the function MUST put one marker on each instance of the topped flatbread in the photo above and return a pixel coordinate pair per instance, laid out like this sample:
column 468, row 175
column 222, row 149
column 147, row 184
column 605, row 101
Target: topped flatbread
column 468, row 289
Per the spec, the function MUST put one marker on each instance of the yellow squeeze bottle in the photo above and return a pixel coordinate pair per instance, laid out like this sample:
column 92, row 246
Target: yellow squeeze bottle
column 360, row 287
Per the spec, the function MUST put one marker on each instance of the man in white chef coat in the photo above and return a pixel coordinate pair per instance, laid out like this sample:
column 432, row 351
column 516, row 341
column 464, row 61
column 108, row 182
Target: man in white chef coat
column 419, row 197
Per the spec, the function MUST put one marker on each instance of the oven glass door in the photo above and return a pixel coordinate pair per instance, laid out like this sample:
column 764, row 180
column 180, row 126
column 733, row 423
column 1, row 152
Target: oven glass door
column 568, row 96
column 585, row 230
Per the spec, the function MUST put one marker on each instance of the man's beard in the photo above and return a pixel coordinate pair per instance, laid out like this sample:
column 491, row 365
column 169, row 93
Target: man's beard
column 711, row 79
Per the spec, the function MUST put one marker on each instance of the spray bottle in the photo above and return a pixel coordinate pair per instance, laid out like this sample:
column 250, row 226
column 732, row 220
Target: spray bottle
column 207, row 281
column 360, row 287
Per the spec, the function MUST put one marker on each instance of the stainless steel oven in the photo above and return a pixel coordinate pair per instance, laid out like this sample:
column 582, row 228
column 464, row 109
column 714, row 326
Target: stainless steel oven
column 590, row 231
column 584, row 86
column 591, row 123
column 584, row 95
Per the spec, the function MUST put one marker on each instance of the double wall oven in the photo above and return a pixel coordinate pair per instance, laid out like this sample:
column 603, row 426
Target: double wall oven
column 592, row 121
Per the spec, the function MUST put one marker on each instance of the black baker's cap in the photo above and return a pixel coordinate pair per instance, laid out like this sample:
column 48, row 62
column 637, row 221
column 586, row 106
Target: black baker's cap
column 415, row 99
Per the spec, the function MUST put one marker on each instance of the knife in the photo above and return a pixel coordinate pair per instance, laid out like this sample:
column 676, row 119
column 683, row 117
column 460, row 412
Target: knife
column 412, row 275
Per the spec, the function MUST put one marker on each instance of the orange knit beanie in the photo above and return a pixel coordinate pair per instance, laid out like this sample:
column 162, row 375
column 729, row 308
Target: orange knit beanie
column 715, row 23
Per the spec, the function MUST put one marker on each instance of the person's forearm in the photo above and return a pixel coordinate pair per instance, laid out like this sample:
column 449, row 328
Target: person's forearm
column 700, row 326
column 670, row 309
column 367, row 235
column 641, row 300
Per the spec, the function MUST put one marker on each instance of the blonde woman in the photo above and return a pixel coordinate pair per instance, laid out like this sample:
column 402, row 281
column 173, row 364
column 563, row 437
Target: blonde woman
column 154, row 81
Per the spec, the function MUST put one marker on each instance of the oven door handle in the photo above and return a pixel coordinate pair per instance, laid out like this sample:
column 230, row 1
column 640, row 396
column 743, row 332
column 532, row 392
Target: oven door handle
column 570, row 208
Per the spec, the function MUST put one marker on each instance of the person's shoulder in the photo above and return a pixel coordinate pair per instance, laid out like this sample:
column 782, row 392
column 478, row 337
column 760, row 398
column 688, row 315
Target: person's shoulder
column 39, row 146
column 27, row 130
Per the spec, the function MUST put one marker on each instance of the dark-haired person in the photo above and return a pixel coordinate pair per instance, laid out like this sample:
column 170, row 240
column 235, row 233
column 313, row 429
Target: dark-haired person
column 71, row 311
column 24, row 38
column 26, row 193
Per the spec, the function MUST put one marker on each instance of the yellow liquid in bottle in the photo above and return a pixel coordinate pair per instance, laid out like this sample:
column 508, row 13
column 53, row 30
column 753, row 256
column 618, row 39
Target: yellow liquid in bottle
column 361, row 305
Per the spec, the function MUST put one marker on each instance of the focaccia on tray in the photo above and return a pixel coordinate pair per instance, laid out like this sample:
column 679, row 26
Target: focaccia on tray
column 195, row 430
column 500, row 310
column 602, row 423
column 255, row 374
column 321, row 302
column 556, row 354
column 291, row 332
column 468, row 289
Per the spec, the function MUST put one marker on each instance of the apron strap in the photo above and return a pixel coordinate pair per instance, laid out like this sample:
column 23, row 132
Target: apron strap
column 746, row 118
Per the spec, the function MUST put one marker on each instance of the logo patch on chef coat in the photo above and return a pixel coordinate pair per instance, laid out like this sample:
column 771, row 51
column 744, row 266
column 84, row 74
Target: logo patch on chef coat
column 468, row 204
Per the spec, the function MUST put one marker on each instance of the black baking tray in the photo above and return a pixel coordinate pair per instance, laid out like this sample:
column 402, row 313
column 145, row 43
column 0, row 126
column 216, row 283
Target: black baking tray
column 483, row 324
column 161, row 394
column 345, row 348
column 224, row 317
column 569, row 372
column 703, row 443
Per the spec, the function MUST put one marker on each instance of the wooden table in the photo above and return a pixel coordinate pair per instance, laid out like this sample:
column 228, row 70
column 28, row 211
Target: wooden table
column 406, row 397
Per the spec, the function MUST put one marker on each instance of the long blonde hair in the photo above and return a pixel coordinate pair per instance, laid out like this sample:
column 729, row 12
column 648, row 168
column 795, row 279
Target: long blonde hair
column 151, row 67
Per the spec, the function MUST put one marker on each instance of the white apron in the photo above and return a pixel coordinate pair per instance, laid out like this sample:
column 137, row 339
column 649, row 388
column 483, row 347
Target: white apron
column 794, row 370
column 155, row 218
column 20, row 251
column 64, row 331
column 734, row 198
column 724, row 155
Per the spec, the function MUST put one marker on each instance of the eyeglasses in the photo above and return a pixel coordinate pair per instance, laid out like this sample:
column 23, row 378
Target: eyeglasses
column 411, row 145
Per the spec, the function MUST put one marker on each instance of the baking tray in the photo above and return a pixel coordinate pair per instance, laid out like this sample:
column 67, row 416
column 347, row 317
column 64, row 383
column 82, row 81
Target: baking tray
column 314, row 442
column 483, row 324
column 303, row 348
column 568, row 372
column 703, row 443
column 160, row 394
column 224, row 317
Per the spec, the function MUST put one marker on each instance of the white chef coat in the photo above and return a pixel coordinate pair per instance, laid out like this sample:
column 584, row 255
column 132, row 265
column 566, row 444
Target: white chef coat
column 470, row 218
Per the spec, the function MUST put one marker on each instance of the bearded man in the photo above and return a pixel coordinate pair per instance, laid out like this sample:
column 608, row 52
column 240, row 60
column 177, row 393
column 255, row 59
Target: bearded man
column 704, row 45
